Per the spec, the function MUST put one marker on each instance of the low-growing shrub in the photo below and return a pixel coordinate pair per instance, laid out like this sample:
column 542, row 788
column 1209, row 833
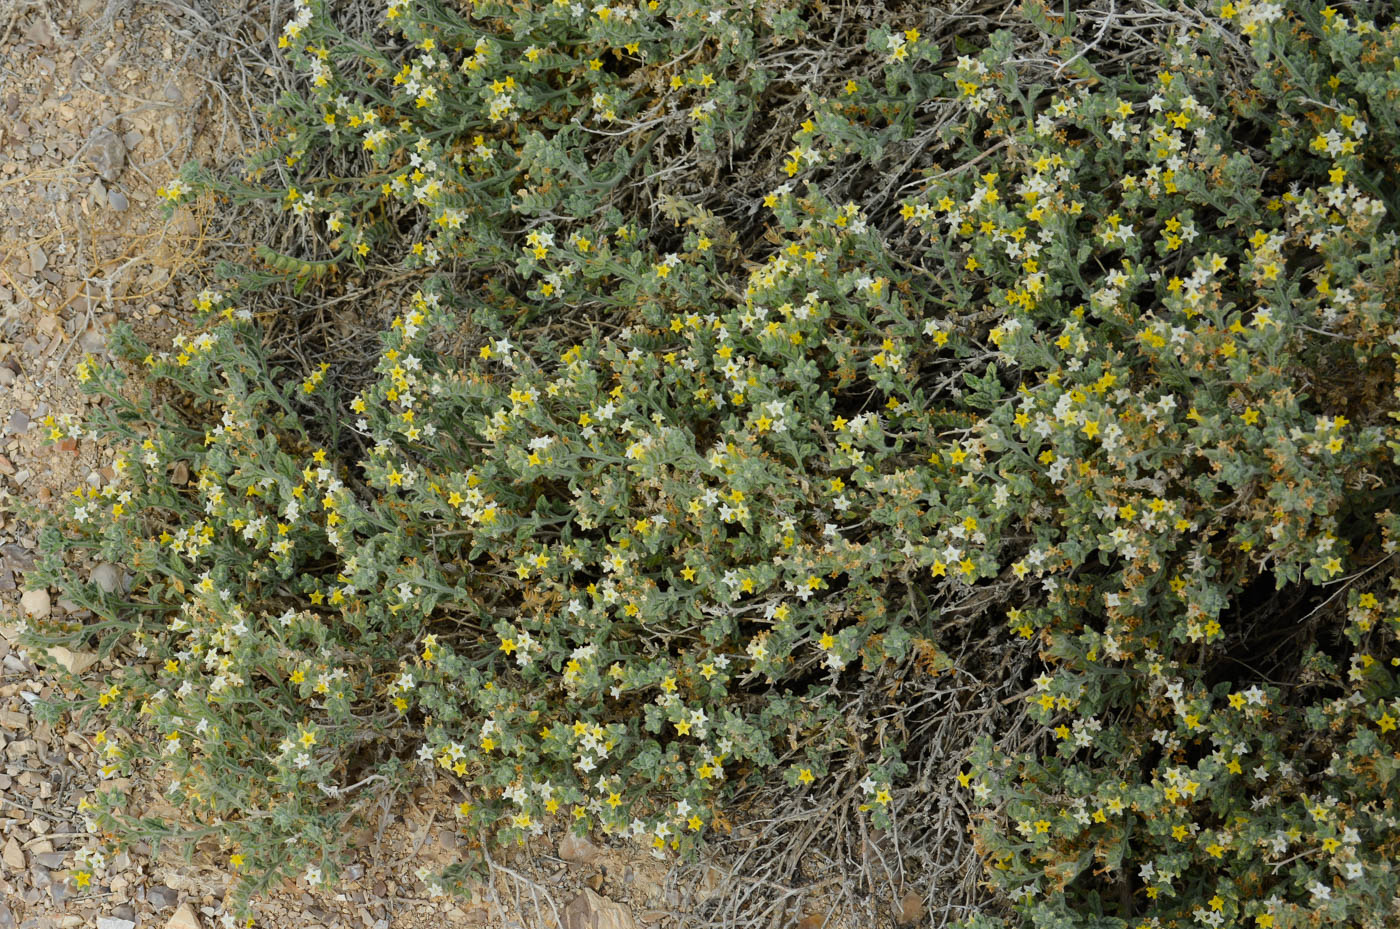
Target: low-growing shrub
column 627, row 512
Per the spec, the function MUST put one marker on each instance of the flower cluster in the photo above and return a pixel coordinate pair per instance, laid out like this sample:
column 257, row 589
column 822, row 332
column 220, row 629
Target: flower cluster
column 627, row 512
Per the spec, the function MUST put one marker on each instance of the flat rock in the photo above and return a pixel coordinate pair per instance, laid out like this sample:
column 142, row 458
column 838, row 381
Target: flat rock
column 17, row 557
column 577, row 850
column 38, row 31
column 73, row 662
column 112, row 922
column 184, row 918
column 107, row 577
column 590, row 911
column 106, row 152
column 161, row 897
column 117, row 201
column 36, row 604
column 911, row 909
column 13, row 855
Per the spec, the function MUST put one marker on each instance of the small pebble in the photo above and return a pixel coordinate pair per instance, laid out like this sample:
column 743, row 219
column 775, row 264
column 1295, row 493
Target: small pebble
column 106, row 152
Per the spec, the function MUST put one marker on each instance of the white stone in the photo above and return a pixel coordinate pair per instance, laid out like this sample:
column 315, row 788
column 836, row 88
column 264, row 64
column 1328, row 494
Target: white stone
column 107, row 577
column 36, row 604
column 111, row 922
column 73, row 662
